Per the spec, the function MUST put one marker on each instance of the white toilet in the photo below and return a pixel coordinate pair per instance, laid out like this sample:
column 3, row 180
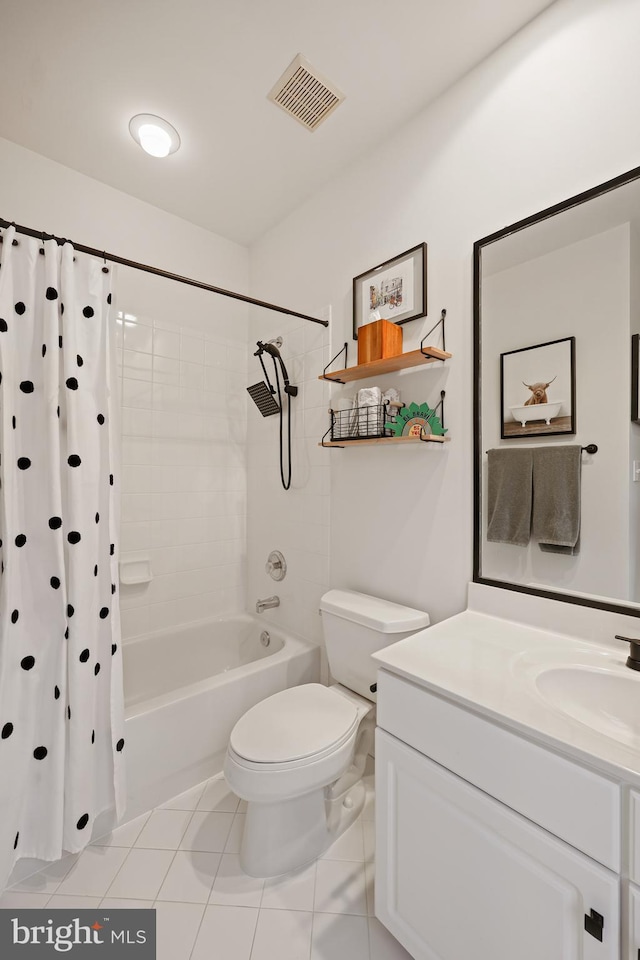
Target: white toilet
column 298, row 757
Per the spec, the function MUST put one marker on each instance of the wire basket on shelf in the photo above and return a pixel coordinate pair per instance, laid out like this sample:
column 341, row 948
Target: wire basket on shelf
column 358, row 423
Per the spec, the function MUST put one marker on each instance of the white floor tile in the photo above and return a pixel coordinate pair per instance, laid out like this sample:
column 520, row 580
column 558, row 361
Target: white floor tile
column 141, row 875
column 339, row 938
column 369, row 873
column 118, row 903
column 49, row 879
column 219, row 796
column 368, row 811
column 348, row 846
column 185, row 801
column 25, row 868
column 383, row 946
column 233, row 887
column 369, row 835
column 293, row 892
column 207, row 832
column 340, row 887
column 285, row 934
column 234, row 839
column 73, row 903
column 93, row 872
column 226, row 933
column 190, row 877
column 164, row 829
column 177, row 926
column 124, row 836
column 242, row 807
column 16, row 899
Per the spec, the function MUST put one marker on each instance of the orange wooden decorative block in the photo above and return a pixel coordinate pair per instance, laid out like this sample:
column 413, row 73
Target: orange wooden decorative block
column 378, row 340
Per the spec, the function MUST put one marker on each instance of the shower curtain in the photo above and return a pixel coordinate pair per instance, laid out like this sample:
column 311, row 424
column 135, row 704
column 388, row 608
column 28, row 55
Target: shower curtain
column 61, row 704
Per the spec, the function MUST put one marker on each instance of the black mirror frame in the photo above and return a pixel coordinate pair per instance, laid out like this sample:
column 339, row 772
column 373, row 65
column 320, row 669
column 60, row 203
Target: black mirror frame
column 574, row 201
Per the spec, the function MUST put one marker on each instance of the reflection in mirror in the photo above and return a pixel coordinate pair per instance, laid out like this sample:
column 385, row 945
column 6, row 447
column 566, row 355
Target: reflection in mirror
column 557, row 301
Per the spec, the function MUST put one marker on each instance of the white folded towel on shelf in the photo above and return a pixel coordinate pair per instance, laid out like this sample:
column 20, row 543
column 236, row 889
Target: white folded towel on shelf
column 370, row 422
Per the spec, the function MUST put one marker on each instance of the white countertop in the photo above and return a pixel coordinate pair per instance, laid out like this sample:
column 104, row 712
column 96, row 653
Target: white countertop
column 491, row 666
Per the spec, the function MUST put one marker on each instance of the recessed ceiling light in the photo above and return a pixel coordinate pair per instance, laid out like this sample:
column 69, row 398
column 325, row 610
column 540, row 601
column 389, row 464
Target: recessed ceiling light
column 154, row 135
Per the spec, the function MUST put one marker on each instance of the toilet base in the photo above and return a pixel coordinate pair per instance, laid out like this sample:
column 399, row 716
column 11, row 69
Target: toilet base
column 284, row 836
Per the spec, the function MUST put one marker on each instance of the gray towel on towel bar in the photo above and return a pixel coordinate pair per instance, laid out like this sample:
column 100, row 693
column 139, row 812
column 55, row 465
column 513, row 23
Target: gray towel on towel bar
column 556, row 498
column 509, row 485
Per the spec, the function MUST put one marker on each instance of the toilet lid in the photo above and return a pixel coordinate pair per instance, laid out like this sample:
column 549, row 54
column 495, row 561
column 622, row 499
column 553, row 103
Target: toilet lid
column 293, row 724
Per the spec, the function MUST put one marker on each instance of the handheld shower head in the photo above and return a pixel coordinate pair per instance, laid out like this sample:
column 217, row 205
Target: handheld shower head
column 271, row 348
column 263, row 395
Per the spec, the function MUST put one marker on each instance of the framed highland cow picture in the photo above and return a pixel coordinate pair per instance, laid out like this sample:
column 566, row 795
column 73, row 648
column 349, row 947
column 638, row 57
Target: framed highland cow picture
column 538, row 390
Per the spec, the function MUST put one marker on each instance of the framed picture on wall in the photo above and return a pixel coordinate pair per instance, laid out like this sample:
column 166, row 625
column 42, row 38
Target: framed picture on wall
column 395, row 290
column 635, row 377
column 538, row 390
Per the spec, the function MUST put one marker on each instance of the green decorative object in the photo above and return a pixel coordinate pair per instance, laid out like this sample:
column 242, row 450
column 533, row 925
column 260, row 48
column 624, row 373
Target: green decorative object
column 412, row 420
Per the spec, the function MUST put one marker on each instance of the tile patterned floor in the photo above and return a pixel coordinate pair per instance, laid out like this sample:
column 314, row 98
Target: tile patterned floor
column 182, row 859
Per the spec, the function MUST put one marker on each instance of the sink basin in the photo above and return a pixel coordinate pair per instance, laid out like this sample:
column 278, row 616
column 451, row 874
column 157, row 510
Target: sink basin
column 605, row 700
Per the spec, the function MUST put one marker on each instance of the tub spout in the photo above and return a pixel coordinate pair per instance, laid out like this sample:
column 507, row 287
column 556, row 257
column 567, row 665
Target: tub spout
column 267, row 604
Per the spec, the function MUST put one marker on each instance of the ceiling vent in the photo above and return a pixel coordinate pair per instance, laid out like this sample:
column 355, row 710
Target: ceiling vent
column 305, row 94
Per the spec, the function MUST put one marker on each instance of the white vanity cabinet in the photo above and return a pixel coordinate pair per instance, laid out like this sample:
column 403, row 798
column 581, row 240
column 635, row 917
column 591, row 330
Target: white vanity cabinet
column 634, row 922
column 461, row 874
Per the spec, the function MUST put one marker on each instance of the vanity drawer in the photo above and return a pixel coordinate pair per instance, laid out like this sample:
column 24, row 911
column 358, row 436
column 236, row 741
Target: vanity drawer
column 634, row 836
column 568, row 800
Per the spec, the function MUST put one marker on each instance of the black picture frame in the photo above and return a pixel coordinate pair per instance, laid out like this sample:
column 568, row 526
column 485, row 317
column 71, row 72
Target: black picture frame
column 411, row 288
column 541, row 412
column 635, row 378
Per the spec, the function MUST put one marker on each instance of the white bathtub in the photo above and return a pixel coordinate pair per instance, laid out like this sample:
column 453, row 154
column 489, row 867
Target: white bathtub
column 185, row 689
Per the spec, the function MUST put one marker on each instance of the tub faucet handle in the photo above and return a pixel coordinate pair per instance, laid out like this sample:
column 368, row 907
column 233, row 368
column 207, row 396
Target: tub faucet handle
column 267, row 603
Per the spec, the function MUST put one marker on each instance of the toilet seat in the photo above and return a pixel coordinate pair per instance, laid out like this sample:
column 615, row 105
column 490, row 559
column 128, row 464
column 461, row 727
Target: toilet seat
column 293, row 728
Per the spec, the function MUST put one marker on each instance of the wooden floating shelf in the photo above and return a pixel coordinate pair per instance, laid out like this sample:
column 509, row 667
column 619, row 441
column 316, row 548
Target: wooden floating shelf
column 414, row 358
column 355, row 443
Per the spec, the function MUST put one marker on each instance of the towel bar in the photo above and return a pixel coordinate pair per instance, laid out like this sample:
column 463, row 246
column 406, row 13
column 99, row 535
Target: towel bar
column 590, row 448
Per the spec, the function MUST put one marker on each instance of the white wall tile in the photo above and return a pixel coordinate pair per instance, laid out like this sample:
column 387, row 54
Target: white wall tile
column 192, row 349
column 166, row 343
column 137, row 393
column 136, row 365
column 191, row 374
column 134, row 622
column 138, row 336
column 166, row 370
column 184, row 479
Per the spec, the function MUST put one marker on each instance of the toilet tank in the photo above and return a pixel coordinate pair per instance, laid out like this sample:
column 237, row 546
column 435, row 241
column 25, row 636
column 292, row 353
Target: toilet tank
column 355, row 625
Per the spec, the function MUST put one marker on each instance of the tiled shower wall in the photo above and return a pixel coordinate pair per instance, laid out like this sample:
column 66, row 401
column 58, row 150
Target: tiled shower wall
column 183, row 470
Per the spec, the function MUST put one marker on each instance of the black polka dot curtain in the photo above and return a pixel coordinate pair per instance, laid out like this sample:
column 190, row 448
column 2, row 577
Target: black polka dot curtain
column 62, row 742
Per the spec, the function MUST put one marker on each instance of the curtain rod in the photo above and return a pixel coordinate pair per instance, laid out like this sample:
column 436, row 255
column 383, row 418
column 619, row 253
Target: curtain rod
column 114, row 258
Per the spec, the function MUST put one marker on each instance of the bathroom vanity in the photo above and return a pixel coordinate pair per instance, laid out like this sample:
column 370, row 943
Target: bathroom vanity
column 508, row 785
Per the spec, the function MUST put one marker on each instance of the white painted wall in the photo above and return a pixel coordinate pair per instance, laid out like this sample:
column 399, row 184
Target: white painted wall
column 540, row 120
column 182, row 363
column 582, row 291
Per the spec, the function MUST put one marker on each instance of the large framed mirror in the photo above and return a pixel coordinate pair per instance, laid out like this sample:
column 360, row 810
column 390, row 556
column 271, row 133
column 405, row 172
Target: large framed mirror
column 556, row 309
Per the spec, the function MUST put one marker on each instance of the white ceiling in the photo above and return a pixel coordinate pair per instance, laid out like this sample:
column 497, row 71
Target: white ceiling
column 76, row 71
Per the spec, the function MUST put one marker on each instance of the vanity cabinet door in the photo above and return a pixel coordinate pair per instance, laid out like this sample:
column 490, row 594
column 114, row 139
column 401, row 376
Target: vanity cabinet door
column 459, row 875
column 634, row 922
